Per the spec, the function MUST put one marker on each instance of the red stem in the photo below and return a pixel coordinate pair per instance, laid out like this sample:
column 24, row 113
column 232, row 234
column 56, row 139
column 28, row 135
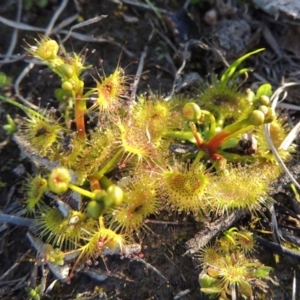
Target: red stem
column 80, row 107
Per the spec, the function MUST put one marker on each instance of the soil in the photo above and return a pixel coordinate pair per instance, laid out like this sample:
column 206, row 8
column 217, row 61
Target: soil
column 221, row 33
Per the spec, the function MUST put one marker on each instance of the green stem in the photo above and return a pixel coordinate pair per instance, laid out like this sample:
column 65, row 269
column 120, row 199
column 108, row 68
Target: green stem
column 200, row 154
column 181, row 135
column 105, row 182
column 212, row 130
column 229, row 131
column 81, row 191
column 109, row 166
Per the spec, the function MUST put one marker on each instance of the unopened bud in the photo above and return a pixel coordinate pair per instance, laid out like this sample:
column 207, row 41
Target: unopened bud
column 257, row 118
column 59, row 179
column 192, row 112
column 264, row 100
column 114, row 196
column 270, row 115
column 66, row 70
column 67, row 86
column 94, row 209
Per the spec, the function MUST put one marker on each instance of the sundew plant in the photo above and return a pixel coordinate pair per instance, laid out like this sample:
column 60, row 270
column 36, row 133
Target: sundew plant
column 199, row 156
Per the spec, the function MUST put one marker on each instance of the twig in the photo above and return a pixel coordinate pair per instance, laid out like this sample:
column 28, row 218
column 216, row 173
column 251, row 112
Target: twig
column 20, row 25
column 11, row 59
column 15, row 265
column 184, row 59
column 84, row 23
column 20, row 221
column 55, row 17
column 17, row 84
column 150, row 267
column 87, row 38
column 182, row 294
column 275, row 100
column 277, row 248
column 65, row 23
column 294, row 290
column 140, row 67
column 147, row 221
column 204, row 236
column 143, row 6
column 288, row 106
column 13, row 40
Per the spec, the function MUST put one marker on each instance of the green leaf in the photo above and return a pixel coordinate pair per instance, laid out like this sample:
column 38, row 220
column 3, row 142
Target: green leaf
column 245, row 289
column 262, row 272
column 232, row 68
column 207, row 281
column 264, row 90
column 212, row 290
column 213, row 272
column 4, row 80
column 30, row 112
column 11, row 127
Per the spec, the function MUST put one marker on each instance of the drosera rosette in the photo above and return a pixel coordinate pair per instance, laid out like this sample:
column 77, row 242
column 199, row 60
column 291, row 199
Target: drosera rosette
column 90, row 156
column 278, row 131
column 108, row 95
column 183, row 187
column 40, row 129
column 232, row 271
column 35, row 188
column 223, row 101
column 99, row 241
column 61, row 231
column 233, row 239
column 157, row 117
column 132, row 142
column 212, row 140
column 223, row 97
column 240, row 187
column 140, row 201
column 121, row 146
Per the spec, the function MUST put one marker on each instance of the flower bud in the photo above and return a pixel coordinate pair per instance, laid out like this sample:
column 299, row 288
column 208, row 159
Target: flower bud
column 191, row 111
column 263, row 109
column 257, row 118
column 62, row 95
column 114, row 196
column 66, row 70
column 94, row 209
column 67, row 86
column 264, row 100
column 270, row 116
column 48, row 49
column 99, row 195
column 59, row 179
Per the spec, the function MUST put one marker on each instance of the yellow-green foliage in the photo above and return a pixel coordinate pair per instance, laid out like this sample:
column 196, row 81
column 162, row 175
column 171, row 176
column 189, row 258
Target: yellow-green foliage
column 132, row 140
column 35, row 188
column 227, row 264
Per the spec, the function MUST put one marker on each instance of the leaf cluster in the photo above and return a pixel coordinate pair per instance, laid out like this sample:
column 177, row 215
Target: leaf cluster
column 188, row 155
